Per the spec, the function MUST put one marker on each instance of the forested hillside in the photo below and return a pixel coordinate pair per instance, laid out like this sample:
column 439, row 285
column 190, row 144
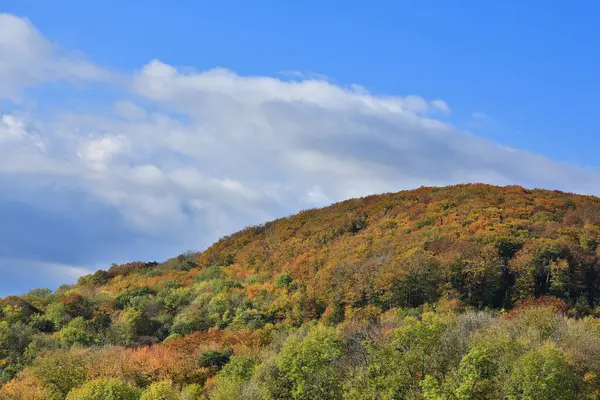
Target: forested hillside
column 463, row 292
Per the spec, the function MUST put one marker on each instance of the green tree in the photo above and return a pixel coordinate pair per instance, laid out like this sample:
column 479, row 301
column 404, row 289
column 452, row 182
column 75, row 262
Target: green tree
column 419, row 283
column 14, row 339
column 420, row 342
column 58, row 314
column 233, row 380
column 376, row 380
column 105, row 389
column 131, row 324
column 214, row 358
column 160, row 391
column 192, row 318
column 283, row 280
column 475, row 379
column 308, row 368
column 76, row 332
column 192, row 392
column 542, row 374
column 60, row 371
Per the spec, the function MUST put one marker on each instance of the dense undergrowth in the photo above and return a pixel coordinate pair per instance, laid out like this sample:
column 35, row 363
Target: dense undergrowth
column 464, row 292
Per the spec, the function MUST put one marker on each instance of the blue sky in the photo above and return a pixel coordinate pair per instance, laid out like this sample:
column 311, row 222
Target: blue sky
column 137, row 130
column 530, row 65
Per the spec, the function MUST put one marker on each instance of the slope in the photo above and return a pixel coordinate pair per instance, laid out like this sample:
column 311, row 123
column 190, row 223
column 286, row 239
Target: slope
column 359, row 275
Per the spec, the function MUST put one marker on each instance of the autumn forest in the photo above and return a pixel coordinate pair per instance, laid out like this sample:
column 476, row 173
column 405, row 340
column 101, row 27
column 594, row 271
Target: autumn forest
column 461, row 292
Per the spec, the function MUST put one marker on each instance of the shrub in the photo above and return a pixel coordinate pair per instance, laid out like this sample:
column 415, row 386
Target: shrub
column 283, row 281
column 123, row 301
column 76, row 332
column 192, row 392
column 60, row 371
column 214, row 358
column 105, row 389
column 308, row 368
column 542, row 374
column 160, row 391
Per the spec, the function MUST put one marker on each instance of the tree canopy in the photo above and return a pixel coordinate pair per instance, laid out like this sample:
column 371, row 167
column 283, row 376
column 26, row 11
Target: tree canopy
column 462, row 292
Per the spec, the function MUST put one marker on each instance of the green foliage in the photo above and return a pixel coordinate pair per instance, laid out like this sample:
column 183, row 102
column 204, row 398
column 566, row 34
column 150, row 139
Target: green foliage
column 233, row 381
column 105, row 389
column 41, row 323
column 125, row 299
column 239, row 367
column 542, row 374
column 476, row 379
column 58, row 314
column 39, row 292
column 176, row 298
column 465, row 292
column 60, row 372
column 476, row 376
column 420, row 342
column 192, row 392
column 308, row 367
column 283, row 280
column 160, row 391
column 211, row 272
column 192, row 318
column 77, row 332
column 14, row 339
column 171, row 337
column 131, row 324
column 100, row 277
column 214, row 358
column 376, row 380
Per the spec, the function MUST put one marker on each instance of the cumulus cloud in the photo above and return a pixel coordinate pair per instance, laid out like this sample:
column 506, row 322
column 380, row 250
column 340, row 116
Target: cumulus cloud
column 184, row 156
column 98, row 152
column 28, row 58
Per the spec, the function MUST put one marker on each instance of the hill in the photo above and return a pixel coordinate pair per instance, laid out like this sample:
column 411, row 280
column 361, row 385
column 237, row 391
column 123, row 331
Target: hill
column 469, row 292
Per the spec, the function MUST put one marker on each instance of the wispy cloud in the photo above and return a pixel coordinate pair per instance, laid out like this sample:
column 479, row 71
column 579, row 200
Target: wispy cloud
column 27, row 58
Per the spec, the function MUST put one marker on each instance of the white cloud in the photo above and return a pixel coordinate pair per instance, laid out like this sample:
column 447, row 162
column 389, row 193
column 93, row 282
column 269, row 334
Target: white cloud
column 12, row 129
column 129, row 110
column 28, row 58
column 98, row 152
column 250, row 148
column 441, row 106
column 219, row 151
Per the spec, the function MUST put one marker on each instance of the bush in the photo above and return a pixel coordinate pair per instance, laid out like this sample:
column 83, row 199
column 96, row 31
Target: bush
column 192, row 318
column 209, row 273
column 58, row 314
column 542, row 374
column 283, row 281
column 214, row 358
column 124, row 300
column 233, row 380
column 308, row 368
column 160, row 391
column 172, row 336
column 105, row 389
column 42, row 323
column 60, row 371
column 192, row 392
column 76, row 332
